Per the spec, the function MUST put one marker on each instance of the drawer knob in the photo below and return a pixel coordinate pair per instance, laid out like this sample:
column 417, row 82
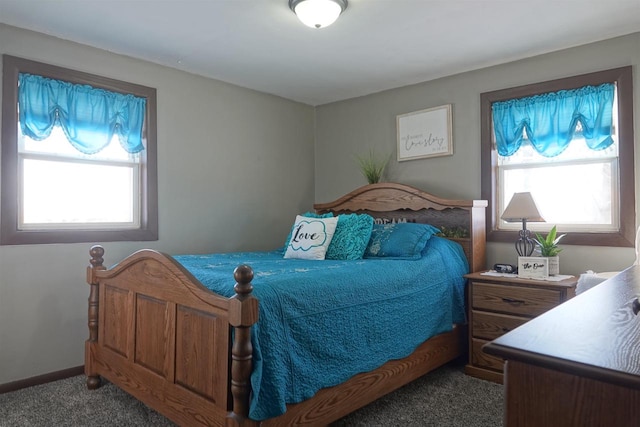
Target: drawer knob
column 513, row 301
column 636, row 306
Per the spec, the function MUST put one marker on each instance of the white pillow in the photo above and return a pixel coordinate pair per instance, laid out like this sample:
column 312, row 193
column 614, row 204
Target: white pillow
column 310, row 237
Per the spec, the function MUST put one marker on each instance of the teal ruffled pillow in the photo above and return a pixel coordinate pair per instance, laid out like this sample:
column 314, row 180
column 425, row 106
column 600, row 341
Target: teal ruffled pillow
column 351, row 237
column 399, row 241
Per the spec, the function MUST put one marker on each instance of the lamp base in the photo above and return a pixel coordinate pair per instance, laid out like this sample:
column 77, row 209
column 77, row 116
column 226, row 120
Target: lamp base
column 525, row 244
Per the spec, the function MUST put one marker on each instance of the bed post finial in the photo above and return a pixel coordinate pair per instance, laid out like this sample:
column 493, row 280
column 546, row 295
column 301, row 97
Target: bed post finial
column 243, row 275
column 96, row 252
column 243, row 313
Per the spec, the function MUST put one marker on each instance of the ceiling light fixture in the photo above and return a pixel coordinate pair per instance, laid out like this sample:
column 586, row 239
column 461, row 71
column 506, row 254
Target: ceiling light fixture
column 318, row 13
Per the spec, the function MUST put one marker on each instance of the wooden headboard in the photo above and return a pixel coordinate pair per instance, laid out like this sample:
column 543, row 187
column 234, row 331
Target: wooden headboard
column 391, row 202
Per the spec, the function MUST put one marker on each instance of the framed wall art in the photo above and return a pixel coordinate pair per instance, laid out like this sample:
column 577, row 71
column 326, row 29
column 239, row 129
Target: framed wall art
column 425, row 133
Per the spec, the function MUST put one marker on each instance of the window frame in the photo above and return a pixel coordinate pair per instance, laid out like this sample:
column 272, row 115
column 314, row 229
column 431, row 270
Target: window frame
column 10, row 234
column 623, row 79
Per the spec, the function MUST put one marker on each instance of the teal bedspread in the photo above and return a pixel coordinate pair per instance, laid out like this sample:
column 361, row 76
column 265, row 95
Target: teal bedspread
column 321, row 322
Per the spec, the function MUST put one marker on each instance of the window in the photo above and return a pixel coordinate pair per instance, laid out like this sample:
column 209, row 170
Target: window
column 57, row 185
column 589, row 194
column 57, row 190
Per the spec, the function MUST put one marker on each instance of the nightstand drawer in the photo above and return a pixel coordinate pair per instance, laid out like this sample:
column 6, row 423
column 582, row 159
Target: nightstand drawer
column 514, row 299
column 490, row 326
column 482, row 359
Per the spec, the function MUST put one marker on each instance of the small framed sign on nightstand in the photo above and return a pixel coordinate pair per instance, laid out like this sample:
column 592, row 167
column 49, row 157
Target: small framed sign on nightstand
column 533, row 267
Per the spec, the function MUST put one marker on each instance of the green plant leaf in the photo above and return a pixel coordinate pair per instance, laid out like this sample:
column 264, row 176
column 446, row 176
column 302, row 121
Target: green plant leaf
column 548, row 246
column 372, row 167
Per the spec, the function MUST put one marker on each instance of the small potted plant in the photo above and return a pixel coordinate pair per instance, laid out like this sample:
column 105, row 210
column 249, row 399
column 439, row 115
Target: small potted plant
column 548, row 248
column 372, row 167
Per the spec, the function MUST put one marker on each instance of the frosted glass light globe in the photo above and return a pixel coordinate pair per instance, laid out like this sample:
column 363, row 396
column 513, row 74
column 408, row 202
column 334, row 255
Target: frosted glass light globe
column 318, row 13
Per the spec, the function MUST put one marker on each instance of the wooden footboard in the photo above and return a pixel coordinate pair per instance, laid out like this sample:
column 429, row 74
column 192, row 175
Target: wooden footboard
column 161, row 336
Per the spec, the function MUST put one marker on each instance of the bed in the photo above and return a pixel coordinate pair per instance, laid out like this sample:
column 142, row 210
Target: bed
column 192, row 354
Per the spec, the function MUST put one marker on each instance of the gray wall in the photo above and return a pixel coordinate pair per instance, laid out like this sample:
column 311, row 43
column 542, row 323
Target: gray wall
column 355, row 126
column 227, row 182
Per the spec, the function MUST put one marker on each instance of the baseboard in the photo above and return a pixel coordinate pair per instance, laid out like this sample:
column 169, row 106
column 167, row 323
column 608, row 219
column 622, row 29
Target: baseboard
column 41, row 379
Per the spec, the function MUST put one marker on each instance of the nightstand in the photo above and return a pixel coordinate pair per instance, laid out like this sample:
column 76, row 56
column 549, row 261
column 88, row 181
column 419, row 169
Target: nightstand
column 496, row 305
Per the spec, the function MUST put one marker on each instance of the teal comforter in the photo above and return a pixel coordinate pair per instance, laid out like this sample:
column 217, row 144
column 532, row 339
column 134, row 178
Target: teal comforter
column 321, row 322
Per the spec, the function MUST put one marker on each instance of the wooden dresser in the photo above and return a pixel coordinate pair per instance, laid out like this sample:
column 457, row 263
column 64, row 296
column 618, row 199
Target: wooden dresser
column 500, row 304
column 578, row 364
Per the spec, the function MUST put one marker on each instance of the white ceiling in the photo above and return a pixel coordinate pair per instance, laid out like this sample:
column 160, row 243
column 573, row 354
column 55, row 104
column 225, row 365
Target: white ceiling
column 375, row 44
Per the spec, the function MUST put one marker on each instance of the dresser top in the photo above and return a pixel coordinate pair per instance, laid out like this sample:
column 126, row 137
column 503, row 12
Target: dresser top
column 596, row 334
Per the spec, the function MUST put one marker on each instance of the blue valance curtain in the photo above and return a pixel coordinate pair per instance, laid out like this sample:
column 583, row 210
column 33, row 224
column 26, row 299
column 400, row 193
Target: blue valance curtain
column 550, row 120
column 88, row 116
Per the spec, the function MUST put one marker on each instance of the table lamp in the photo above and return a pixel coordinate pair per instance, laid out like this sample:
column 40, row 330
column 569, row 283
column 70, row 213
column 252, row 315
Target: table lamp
column 523, row 208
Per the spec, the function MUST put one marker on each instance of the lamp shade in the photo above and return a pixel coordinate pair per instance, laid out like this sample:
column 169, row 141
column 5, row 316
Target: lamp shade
column 318, row 13
column 522, row 206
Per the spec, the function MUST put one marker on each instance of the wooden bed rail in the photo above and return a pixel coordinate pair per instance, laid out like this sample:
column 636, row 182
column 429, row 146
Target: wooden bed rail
column 239, row 312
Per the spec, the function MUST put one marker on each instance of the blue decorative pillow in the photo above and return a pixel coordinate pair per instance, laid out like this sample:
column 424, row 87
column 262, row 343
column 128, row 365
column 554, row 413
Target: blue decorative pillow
column 351, row 237
column 399, row 241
